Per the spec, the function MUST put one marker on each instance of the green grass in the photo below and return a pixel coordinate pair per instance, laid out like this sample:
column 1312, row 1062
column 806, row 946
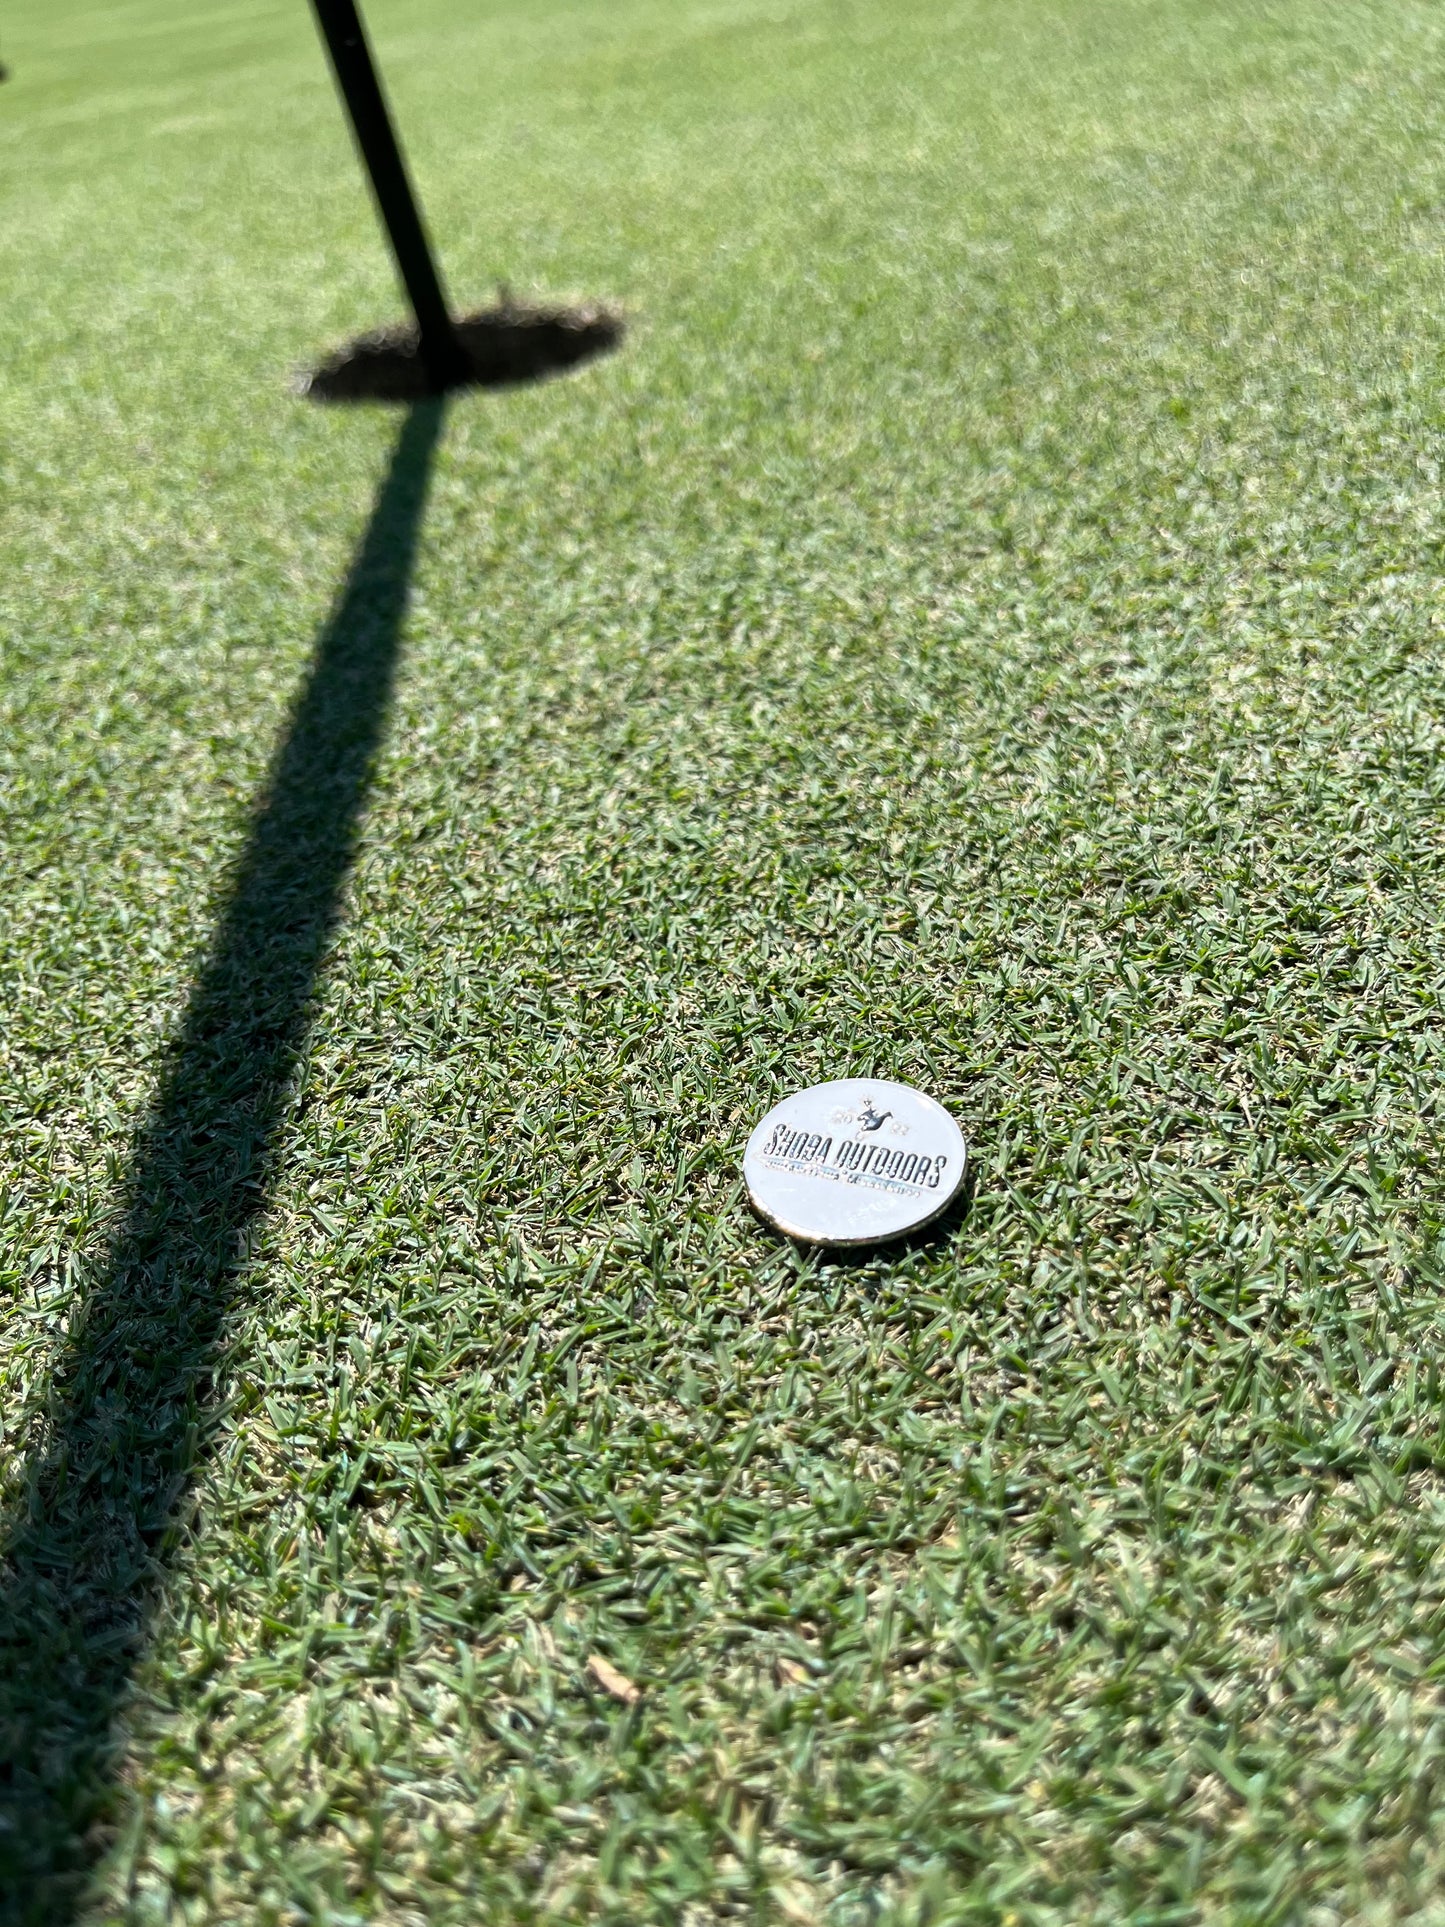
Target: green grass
column 984, row 629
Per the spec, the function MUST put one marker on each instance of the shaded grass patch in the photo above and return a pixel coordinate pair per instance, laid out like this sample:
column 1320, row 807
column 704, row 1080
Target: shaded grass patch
column 133, row 1395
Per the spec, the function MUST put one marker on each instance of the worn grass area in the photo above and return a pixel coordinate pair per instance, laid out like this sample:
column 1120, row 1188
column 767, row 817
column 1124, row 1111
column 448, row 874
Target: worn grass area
column 984, row 629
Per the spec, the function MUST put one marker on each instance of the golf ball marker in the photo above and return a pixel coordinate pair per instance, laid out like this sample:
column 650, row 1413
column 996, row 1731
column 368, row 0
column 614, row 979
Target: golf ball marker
column 854, row 1162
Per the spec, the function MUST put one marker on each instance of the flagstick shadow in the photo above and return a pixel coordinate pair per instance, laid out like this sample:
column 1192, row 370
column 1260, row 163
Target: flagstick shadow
column 128, row 1418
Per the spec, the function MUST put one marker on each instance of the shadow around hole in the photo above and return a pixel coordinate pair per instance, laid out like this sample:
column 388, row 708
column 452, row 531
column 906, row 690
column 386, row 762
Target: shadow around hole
column 133, row 1391
column 501, row 346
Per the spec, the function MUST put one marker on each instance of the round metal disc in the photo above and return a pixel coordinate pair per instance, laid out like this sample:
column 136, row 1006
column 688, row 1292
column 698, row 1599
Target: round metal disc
column 854, row 1162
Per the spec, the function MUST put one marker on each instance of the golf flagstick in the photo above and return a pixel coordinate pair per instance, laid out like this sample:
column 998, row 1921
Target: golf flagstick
column 356, row 76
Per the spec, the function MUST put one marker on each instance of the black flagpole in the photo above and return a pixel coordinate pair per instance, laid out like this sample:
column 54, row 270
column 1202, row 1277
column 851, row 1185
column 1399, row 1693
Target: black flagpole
column 341, row 29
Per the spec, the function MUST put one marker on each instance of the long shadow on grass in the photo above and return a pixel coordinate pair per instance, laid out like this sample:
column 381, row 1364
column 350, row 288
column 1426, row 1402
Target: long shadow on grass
column 133, row 1388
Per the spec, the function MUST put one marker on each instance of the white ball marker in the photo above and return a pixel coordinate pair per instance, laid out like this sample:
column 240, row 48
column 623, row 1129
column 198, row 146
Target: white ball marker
column 854, row 1162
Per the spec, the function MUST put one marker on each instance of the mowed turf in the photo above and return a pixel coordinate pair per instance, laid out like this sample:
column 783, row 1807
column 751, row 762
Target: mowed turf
column 983, row 629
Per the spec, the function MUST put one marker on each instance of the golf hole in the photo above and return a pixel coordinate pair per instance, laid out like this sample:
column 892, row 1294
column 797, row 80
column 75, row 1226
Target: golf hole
column 503, row 346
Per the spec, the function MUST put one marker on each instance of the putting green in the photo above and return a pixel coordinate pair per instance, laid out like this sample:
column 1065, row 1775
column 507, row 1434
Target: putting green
column 982, row 630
